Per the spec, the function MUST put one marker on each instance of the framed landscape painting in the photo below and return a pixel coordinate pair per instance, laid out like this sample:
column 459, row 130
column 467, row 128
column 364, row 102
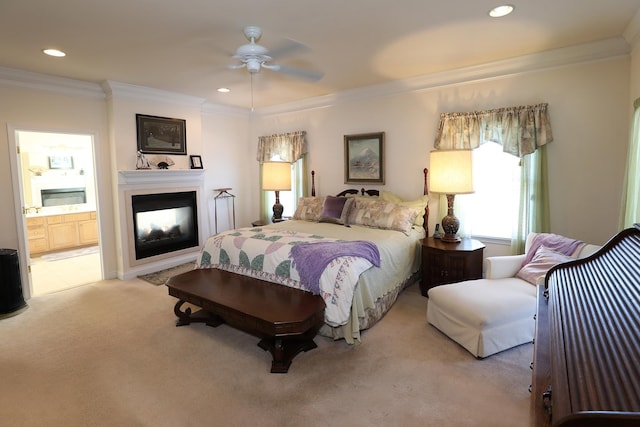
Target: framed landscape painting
column 161, row 135
column 364, row 158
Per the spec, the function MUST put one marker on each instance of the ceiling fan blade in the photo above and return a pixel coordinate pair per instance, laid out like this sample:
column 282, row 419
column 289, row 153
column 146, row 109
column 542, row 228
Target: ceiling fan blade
column 288, row 48
column 236, row 66
column 300, row 73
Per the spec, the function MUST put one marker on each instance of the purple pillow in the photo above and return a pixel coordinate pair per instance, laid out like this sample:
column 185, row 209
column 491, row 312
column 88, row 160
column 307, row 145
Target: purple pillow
column 335, row 209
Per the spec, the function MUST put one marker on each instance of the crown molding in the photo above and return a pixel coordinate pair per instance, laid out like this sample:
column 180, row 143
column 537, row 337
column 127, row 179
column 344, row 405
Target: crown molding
column 115, row 89
column 603, row 49
column 632, row 32
column 38, row 81
column 214, row 109
column 600, row 50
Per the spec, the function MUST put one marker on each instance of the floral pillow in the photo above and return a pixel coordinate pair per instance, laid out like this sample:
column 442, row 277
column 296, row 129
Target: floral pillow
column 544, row 258
column 336, row 209
column 420, row 203
column 381, row 214
column 309, row 208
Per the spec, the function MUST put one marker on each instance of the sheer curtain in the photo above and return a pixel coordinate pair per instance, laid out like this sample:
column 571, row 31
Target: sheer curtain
column 630, row 211
column 522, row 131
column 288, row 147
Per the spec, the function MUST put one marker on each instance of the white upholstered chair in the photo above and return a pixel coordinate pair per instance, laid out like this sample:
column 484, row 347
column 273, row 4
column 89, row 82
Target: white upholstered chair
column 489, row 315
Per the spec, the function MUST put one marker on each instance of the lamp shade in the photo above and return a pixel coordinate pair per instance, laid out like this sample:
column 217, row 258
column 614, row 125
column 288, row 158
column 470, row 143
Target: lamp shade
column 276, row 176
column 451, row 171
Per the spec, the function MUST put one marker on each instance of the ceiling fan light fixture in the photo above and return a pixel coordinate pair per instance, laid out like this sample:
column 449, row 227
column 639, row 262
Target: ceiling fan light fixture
column 500, row 11
column 253, row 65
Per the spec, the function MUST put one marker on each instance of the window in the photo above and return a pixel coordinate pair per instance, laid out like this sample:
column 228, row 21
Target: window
column 492, row 210
column 631, row 192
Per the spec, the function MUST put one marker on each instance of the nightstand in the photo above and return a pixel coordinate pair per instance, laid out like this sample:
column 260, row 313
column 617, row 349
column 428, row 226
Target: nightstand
column 444, row 263
column 261, row 223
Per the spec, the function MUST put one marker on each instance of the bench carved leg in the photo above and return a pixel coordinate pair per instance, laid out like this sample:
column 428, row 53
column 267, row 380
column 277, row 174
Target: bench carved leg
column 186, row 317
column 284, row 350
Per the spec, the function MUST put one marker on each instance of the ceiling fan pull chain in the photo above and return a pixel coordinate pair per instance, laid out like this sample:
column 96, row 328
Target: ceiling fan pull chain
column 251, row 76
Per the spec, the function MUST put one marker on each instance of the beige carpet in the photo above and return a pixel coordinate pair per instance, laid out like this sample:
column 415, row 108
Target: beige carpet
column 160, row 277
column 109, row 354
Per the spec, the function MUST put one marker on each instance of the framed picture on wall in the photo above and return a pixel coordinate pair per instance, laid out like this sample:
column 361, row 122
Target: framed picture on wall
column 60, row 162
column 364, row 158
column 161, row 135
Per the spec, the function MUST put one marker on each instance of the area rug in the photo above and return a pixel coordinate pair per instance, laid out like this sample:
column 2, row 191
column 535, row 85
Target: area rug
column 160, row 277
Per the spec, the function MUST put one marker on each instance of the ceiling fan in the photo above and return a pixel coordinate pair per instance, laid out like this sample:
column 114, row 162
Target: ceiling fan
column 255, row 57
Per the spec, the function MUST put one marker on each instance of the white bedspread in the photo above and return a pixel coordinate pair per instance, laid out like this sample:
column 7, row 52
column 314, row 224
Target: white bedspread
column 400, row 257
column 264, row 253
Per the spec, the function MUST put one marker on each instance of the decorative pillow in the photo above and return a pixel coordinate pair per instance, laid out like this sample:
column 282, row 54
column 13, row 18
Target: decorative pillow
column 309, row 208
column 336, row 209
column 544, row 258
column 381, row 214
column 420, row 203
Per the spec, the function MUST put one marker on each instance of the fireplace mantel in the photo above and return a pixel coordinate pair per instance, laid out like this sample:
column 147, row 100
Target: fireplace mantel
column 153, row 176
column 152, row 181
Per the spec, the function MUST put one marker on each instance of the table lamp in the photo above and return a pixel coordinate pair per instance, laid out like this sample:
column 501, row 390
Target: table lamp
column 276, row 176
column 451, row 173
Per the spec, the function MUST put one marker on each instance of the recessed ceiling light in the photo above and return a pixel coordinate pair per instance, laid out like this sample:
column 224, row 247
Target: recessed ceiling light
column 223, row 90
column 54, row 52
column 500, row 11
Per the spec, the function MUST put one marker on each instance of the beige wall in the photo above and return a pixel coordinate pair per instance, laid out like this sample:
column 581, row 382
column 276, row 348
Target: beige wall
column 635, row 72
column 24, row 108
column 588, row 104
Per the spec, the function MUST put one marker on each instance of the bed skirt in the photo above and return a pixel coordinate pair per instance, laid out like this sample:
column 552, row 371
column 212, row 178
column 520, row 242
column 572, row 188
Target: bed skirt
column 371, row 317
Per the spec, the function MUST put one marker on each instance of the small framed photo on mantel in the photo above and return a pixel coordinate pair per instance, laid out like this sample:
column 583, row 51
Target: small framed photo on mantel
column 196, row 162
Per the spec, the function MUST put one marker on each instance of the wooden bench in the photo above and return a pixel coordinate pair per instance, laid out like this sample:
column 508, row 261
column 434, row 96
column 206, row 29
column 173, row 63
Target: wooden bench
column 286, row 319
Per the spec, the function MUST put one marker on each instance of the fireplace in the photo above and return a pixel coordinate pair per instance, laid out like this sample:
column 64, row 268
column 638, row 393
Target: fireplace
column 63, row 196
column 164, row 222
column 171, row 206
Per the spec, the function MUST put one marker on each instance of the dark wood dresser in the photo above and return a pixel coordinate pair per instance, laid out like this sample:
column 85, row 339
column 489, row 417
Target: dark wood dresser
column 586, row 367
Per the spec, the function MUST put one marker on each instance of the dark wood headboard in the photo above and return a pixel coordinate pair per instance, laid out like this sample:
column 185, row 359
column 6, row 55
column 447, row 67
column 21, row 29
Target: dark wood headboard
column 373, row 192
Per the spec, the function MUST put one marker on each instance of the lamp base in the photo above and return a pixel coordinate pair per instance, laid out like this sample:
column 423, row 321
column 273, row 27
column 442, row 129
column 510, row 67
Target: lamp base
column 451, row 239
column 277, row 209
column 450, row 224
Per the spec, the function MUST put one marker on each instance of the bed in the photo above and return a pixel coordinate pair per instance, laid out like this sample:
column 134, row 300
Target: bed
column 358, row 288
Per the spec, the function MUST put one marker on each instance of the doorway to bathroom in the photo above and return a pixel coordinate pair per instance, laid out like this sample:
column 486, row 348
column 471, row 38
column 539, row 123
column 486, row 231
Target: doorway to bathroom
column 59, row 209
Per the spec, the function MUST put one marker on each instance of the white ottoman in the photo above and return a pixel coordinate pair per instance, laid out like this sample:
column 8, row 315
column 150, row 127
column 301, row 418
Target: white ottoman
column 484, row 316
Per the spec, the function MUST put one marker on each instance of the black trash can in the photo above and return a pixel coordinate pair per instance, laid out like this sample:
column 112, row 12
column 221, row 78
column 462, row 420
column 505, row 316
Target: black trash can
column 11, row 298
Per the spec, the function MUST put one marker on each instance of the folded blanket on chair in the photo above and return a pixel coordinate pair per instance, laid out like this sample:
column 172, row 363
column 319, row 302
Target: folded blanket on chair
column 310, row 259
column 555, row 242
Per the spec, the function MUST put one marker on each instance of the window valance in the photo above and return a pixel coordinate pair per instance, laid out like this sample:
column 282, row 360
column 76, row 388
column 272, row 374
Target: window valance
column 290, row 147
column 520, row 130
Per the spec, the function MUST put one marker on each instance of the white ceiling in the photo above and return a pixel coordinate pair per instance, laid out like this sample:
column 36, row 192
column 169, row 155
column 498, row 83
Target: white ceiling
column 184, row 46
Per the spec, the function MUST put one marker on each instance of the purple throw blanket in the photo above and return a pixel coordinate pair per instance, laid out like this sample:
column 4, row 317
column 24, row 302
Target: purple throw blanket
column 555, row 242
column 310, row 259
